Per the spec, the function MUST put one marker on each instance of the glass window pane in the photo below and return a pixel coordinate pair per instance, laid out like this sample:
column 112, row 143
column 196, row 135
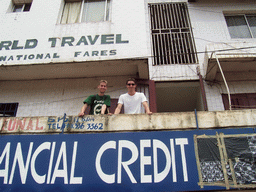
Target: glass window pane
column 237, row 27
column 8, row 109
column 71, row 12
column 94, row 11
column 107, row 11
column 2, row 107
column 252, row 23
column 27, row 7
column 17, row 8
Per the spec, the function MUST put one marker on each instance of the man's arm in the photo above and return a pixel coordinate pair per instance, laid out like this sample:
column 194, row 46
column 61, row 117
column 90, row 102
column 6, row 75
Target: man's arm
column 103, row 109
column 81, row 114
column 106, row 105
column 118, row 108
column 146, row 107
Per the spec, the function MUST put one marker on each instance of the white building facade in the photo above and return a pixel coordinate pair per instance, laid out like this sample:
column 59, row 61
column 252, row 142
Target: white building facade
column 195, row 57
column 53, row 53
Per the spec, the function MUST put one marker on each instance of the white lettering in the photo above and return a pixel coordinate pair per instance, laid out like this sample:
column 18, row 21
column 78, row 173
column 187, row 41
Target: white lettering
column 39, row 179
column 160, row 176
column 61, row 172
column 105, row 177
column 6, row 154
column 130, row 145
column 50, row 163
column 58, row 168
column 144, row 160
column 22, row 168
column 182, row 142
column 174, row 174
column 74, row 180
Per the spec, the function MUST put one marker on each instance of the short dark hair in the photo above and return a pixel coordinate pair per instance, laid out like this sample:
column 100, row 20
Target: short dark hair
column 131, row 79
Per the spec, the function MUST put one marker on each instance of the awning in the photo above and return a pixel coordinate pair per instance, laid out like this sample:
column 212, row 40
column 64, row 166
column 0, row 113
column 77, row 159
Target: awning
column 235, row 66
column 87, row 69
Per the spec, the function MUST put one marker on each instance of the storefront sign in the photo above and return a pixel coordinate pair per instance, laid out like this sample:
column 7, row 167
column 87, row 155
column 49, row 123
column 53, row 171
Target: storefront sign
column 135, row 161
column 62, row 43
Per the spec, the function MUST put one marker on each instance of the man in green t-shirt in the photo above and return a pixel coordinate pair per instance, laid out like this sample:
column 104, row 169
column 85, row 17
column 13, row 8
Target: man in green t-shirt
column 99, row 103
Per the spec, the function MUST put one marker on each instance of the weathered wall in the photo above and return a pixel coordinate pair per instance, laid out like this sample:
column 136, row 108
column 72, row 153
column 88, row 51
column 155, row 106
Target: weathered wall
column 43, row 23
column 137, row 122
column 129, row 18
column 54, row 97
column 209, row 28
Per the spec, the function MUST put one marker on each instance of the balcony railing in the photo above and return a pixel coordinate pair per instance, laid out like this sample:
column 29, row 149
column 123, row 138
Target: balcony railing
column 122, row 123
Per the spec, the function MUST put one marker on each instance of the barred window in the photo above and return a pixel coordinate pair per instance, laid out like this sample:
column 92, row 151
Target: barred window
column 8, row 109
column 171, row 34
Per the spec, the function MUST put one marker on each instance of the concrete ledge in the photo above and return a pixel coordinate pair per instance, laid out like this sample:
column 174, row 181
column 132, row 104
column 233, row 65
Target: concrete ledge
column 137, row 122
column 222, row 119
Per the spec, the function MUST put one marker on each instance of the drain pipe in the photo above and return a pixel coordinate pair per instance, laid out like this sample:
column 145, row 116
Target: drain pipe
column 224, row 79
column 196, row 119
column 63, row 124
column 203, row 92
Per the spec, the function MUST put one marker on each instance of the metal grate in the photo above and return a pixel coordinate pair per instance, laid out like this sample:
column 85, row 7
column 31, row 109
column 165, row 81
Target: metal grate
column 171, row 34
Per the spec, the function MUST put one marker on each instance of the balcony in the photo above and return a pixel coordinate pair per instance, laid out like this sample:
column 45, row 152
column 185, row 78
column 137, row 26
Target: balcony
column 235, row 60
column 127, row 123
column 185, row 141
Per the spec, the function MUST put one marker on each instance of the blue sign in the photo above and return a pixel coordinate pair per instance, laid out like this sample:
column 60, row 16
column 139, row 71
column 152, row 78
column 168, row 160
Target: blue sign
column 134, row 161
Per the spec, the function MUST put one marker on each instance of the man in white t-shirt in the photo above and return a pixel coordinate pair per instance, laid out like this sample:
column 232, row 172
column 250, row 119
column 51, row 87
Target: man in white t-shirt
column 132, row 100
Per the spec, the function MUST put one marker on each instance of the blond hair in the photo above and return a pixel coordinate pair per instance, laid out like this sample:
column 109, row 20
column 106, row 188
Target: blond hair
column 103, row 81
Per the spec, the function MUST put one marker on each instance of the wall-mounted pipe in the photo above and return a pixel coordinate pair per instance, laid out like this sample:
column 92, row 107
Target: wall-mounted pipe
column 224, row 79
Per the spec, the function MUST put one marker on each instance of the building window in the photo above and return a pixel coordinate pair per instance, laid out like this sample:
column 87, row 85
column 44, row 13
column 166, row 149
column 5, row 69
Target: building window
column 8, row 109
column 85, row 11
column 241, row 26
column 172, row 38
column 240, row 101
column 226, row 160
column 21, row 6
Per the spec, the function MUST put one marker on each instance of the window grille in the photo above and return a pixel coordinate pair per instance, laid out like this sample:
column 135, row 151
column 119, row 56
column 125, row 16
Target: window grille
column 8, row 109
column 171, row 34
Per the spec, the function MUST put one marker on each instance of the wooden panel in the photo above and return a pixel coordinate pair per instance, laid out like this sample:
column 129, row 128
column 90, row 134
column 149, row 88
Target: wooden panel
column 240, row 101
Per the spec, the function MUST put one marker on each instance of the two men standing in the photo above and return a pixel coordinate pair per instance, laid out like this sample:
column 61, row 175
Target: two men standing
column 131, row 100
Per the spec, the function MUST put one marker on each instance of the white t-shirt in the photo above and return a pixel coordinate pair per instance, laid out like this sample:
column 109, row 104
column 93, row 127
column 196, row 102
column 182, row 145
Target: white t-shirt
column 132, row 104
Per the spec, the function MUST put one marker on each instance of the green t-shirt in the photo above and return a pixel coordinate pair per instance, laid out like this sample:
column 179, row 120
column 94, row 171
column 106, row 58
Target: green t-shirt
column 96, row 102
